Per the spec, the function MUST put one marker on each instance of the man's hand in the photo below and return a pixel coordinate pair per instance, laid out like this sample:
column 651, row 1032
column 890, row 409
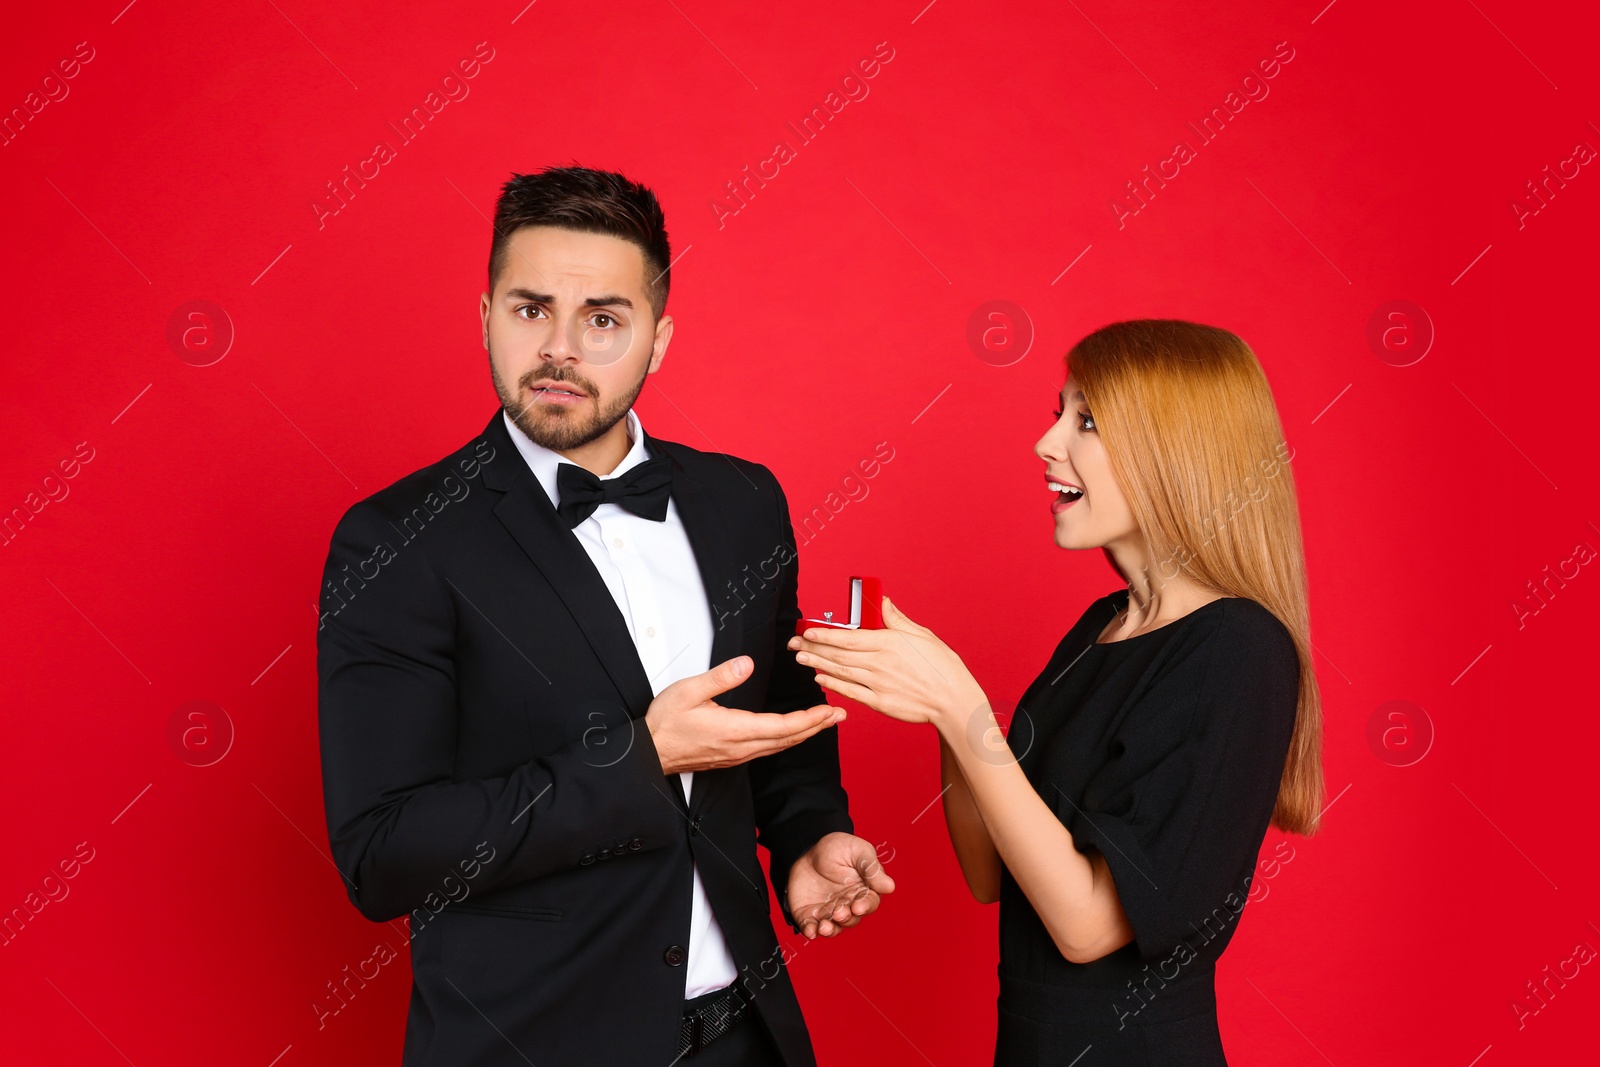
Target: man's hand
column 692, row 732
column 836, row 885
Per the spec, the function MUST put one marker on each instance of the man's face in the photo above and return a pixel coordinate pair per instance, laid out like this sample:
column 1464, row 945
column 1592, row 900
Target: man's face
column 570, row 333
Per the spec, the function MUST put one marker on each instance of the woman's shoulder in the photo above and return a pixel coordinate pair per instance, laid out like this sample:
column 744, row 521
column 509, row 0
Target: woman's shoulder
column 1243, row 643
column 1224, row 637
column 1244, row 625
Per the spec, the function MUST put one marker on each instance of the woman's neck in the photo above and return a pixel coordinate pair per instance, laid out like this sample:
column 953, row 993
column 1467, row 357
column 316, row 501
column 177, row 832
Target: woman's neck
column 1157, row 593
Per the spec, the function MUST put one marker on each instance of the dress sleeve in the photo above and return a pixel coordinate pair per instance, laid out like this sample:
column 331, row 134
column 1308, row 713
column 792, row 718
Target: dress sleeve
column 1180, row 808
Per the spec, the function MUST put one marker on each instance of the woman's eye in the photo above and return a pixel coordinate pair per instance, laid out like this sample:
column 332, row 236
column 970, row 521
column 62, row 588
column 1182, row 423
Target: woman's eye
column 1056, row 414
column 1085, row 420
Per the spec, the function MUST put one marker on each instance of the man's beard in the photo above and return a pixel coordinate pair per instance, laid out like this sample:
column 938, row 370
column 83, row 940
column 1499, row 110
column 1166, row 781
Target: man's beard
column 554, row 427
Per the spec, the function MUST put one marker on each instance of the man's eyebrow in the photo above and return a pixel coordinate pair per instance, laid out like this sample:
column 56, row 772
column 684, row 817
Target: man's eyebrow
column 606, row 300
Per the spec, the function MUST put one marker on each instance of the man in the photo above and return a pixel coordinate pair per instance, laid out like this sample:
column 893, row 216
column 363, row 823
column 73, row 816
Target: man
column 517, row 660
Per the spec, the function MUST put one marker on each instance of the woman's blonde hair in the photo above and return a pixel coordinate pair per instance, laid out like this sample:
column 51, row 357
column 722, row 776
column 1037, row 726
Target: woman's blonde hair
column 1193, row 438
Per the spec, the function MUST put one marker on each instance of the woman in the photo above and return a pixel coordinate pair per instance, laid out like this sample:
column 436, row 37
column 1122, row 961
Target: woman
column 1118, row 825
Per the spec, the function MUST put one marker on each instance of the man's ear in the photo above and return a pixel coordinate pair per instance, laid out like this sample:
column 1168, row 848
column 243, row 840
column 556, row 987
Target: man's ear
column 658, row 350
column 483, row 315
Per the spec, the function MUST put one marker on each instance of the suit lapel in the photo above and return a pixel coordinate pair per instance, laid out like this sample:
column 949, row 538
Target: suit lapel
column 549, row 543
column 531, row 519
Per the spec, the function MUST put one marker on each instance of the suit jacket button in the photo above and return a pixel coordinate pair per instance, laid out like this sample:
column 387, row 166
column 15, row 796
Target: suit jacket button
column 635, row 845
column 605, row 853
column 694, row 827
column 675, row 956
column 588, row 858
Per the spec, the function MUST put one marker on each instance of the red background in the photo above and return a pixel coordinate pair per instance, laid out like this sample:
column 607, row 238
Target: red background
column 828, row 314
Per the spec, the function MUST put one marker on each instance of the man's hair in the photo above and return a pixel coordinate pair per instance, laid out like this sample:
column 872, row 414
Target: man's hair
column 589, row 201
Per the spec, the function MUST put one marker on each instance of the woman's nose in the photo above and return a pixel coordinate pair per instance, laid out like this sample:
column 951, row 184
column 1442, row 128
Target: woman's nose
column 1048, row 449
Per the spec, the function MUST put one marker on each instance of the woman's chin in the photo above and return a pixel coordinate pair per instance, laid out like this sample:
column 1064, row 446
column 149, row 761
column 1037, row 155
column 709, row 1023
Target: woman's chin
column 1074, row 541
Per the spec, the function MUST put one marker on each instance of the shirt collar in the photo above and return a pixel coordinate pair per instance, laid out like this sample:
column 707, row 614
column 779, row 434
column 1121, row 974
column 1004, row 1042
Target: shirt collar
column 543, row 461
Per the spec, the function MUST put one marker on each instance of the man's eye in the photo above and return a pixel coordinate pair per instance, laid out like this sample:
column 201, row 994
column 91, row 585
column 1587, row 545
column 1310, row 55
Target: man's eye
column 527, row 307
column 604, row 321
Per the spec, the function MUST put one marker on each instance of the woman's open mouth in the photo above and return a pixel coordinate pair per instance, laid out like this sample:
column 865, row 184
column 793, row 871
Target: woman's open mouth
column 1066, row 496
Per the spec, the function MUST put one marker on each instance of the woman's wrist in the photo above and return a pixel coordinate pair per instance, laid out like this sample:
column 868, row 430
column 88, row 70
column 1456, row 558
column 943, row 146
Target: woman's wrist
column 953, row 717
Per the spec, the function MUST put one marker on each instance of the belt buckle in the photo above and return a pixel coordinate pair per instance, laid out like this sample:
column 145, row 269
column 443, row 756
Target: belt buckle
column 694, row 1039
column 696, row 1034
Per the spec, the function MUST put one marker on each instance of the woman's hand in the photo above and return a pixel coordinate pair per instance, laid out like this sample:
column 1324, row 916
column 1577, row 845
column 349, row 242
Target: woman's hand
column 903, row 670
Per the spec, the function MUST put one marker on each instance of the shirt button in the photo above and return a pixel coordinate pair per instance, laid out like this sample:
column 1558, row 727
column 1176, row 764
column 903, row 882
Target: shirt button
column 649, row 631
column 616, row 542
column 675, row 956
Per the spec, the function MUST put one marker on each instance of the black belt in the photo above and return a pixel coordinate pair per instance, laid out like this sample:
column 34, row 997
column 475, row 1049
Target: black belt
column 708, row 1017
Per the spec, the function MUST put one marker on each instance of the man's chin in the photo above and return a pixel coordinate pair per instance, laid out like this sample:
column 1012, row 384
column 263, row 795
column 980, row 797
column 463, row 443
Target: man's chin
column 559, row 431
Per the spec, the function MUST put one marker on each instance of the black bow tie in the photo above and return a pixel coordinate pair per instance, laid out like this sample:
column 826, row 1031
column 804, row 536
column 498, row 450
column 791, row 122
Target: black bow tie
column 644, row 490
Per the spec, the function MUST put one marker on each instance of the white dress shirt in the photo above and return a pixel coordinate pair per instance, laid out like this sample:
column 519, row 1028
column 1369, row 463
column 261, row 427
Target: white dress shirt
column 650, row 569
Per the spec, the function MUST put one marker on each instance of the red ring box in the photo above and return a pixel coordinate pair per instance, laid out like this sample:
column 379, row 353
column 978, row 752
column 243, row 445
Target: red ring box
column 866, row 608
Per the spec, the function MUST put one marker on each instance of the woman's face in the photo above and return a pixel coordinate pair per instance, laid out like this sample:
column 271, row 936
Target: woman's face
column 1089, row 508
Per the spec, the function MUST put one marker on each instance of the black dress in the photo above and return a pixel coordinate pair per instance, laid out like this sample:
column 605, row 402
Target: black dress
column 1162, row 752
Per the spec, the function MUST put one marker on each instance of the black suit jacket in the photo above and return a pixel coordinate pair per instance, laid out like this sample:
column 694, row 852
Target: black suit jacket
column 487, row 770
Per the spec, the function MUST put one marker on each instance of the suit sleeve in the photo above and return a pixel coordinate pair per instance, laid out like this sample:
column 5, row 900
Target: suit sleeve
column 798, row 795
column 399, row 822
column 1180, row 824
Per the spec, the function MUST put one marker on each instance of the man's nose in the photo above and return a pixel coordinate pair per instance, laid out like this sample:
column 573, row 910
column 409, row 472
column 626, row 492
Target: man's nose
column 557, row 346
